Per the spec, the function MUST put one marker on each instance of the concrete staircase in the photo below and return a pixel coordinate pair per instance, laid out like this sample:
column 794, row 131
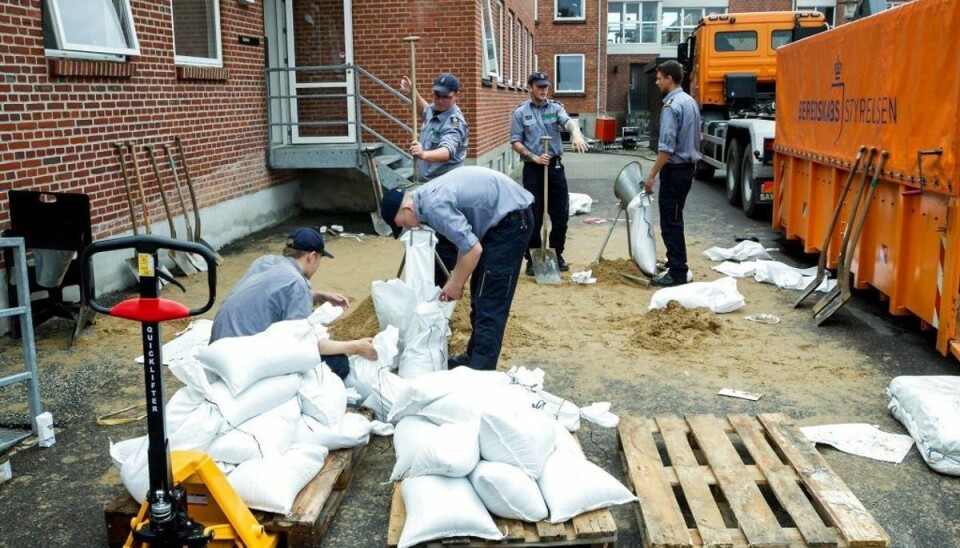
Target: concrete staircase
column 394, row 168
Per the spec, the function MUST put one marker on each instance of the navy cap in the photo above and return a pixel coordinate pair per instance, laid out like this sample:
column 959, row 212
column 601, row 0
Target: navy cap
column 307, row 239
column 538, row 79
column 389, row 207
column 446, row 84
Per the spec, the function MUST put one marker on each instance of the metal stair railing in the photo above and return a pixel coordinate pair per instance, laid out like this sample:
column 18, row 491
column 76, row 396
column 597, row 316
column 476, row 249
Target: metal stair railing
column 9, row 437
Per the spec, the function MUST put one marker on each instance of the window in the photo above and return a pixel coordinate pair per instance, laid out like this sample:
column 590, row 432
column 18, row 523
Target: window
column 90, row 26
column 891, row 5
column 735, row 41
column 500, row 16
column 781, row 38
column 632, row 23
column 196, row 32
column 826, row 7
column 676, row 24
column 490, row 63
column 530, row 64
column 510, row 30
column 569, row 73
column 521, row 77
column 569, row 9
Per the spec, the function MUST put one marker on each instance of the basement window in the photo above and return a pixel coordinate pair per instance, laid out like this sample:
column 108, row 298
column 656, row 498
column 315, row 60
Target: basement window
column 196, row 32
column 569, row 71
column 103, row 28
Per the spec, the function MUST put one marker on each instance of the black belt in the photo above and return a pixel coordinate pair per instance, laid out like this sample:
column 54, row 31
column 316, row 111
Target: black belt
column 554, row 160
column 680, row 165
column 513, row 216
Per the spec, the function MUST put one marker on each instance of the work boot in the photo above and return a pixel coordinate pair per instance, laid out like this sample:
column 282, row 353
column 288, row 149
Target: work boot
column 458, row 360
column 667, row 280
column 561, row 264
column 529, row 270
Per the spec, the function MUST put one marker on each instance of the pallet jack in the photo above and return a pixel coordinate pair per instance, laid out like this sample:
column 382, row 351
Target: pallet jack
column 189, row 502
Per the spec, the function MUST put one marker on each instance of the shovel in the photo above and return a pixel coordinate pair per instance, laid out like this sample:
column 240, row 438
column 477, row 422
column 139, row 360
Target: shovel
column 822, row 263
column 164, row 274
column 179, row 257
column 132, row 261
column 546, row 270
column 379, row 225
column 195, row 260
column 193, row 199
column 842, row 292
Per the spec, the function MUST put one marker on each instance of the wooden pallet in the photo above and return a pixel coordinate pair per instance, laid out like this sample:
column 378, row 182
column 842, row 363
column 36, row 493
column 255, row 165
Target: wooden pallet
column 738, row 481
column 313, row 509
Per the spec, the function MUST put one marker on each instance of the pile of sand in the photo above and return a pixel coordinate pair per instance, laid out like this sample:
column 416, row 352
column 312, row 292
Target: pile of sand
column 608, row 271
column 359, row 322
column 677, row 329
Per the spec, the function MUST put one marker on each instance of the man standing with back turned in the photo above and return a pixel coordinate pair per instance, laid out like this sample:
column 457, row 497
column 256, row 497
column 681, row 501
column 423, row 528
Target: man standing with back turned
column 535, row 118
column 677, row 154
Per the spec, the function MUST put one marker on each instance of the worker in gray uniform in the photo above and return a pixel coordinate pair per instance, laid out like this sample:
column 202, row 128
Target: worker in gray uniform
column 442, row 146
column 487, row 217
column 678, row 152
column 535, row 118
column 277, row 288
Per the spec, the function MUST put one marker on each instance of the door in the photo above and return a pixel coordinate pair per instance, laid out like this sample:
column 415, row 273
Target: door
column 319, row 45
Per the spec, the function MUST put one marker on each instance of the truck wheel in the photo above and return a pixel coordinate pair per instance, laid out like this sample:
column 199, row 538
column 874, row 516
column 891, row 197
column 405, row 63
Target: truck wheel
column 733, row 173
column 704, row 172
column 750, row 196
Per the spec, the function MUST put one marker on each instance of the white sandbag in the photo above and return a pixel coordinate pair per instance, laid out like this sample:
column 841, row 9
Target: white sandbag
column 322, row 395
column 285, row 347
column 266, row 435
column 394, row 302
column 364, row 374
column 186, row 343
column 566, row 442
column 580, row 203
column 929, row 408
column 130, row 458
column 720, row 296
column 524, row 438
column 271, row 484
column 508, row 491
column 562, row 410
column 573, row 485
column 783, row 275
column 264, row 395
column 743, row 251
column 425, row 343
column 353, row 431
column 424, row 448
column 469, row 406
column 737, row 270
column 531, row 379
column 325, row 314
column 643, row 244
column 419, row 247
column 386, row 391
column 426, row 389
column 439, row 507
column 192, row 422
column 599, row 413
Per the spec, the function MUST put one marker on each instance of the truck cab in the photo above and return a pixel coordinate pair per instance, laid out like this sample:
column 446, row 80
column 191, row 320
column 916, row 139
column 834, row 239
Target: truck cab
column 731, row 60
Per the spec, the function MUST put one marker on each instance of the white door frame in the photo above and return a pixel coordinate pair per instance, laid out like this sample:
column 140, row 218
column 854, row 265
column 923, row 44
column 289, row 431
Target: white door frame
column 347, row 85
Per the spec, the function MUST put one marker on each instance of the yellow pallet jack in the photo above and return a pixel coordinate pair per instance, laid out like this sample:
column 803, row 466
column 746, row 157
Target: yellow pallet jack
column 189, row 502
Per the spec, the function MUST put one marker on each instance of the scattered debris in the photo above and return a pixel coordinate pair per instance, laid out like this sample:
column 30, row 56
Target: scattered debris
column 865, row 440
column 584, row 278
column 734, row 393
column 769, row 319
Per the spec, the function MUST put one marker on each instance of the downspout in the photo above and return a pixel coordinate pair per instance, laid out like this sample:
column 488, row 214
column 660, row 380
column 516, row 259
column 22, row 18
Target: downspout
column 599, row 35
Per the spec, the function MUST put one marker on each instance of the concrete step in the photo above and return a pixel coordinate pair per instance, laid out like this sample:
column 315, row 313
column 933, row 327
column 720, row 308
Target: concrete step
column 390, row 160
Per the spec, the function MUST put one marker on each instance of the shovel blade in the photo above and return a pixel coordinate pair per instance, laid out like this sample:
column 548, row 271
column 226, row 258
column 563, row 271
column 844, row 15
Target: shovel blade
column 546, row 270
column 807, row 291
column 826, row 299
column 831, row 308
column 379, row 225
column 183, row 263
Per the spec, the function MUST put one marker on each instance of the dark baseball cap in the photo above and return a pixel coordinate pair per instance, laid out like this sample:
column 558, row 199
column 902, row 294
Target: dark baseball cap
column 446, row 84
column 389, row 207
column 307, row 239
column 538, row 79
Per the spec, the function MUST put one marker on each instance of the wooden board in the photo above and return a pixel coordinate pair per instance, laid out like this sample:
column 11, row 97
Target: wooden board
column 311, row 516
column 596, row 528
column 738, row 481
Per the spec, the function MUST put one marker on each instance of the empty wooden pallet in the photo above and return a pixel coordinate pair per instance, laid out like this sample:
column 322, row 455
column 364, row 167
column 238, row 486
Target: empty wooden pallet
column 738, row 481
column 313, row 509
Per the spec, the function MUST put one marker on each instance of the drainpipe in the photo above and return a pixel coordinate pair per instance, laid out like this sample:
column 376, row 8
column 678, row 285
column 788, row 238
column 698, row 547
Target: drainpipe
column 599, row 36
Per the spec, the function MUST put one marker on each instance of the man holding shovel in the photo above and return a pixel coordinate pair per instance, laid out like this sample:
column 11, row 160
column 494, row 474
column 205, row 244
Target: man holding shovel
column 487, row 217
column 533, row 119
column 277, row 288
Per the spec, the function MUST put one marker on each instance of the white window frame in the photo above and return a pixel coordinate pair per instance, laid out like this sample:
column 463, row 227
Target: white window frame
column 581, row 17
column 529, row 52
column 640, row 24
column 84, row 50
column 556, row 73
column 891, row 5
column 683, row 9
column 810, row 5
column 490, row 66
column 521, row 77
column 500, row 58
column 201, row 61
column 511, row 80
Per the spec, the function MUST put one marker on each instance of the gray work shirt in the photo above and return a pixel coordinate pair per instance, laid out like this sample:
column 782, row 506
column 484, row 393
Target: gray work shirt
column 272, row 289
column 530, row 122
column 467, row 202
column 447, row 130
column 680, row 128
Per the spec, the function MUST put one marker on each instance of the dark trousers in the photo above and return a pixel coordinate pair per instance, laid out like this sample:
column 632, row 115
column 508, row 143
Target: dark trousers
column 558, row 206
column 493, row 284
column 675, row 182
column 448, row 254
column 338, row 363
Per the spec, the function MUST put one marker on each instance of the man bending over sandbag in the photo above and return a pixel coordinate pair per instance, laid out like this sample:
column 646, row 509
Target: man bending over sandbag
column 277, row 288
column 487, row 217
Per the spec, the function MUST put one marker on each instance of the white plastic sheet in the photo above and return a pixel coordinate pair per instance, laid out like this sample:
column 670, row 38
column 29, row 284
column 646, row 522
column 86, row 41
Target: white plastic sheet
column 720, row 296
column 580, row 203
column 743, row 251
column 865, row 440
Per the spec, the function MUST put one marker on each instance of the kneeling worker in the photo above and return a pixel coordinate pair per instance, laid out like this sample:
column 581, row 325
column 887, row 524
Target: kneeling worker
column 277, row 288
column 487, row 217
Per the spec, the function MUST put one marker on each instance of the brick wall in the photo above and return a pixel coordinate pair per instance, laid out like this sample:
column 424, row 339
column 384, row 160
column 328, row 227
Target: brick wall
column 59, row 120
column 618, row 83
column 574, row 37
column 741, row 6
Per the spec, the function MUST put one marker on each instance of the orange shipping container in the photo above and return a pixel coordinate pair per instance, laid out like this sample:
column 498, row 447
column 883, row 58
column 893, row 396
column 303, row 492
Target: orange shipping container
column 890, row 81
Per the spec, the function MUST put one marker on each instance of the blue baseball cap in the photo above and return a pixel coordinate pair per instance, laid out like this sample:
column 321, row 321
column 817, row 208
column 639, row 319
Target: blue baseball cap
column 389, row 207
column 307, row 239
column 538, row 79
column 446, row 84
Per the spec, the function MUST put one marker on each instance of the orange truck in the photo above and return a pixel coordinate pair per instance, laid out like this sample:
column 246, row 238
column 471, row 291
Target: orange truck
column 887, row 82
column 732, row 63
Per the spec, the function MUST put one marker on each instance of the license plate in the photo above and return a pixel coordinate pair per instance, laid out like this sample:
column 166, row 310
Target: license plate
column 766, row 191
